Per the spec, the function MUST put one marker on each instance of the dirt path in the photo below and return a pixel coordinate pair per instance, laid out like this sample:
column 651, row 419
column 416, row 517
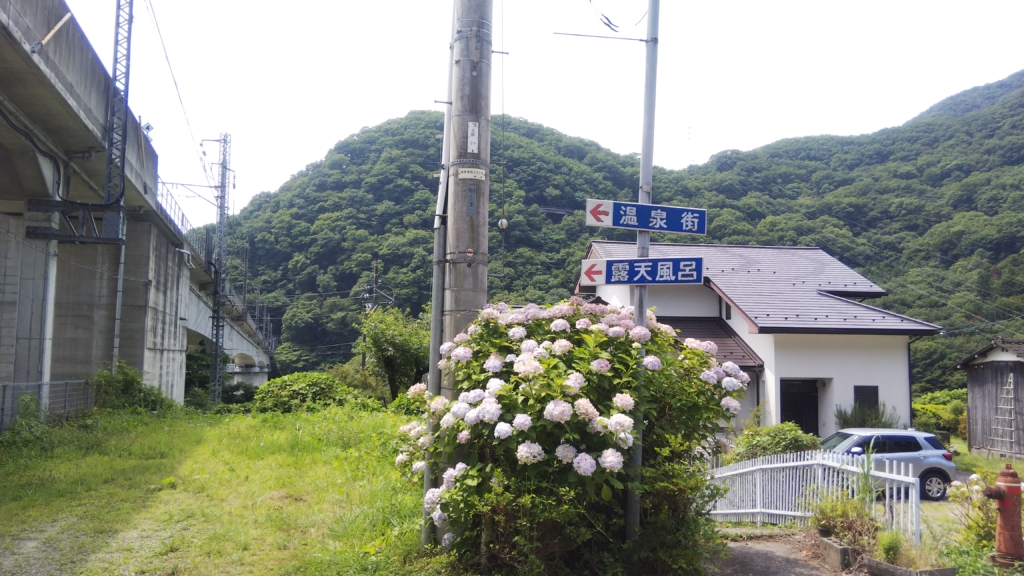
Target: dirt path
column 791, row 555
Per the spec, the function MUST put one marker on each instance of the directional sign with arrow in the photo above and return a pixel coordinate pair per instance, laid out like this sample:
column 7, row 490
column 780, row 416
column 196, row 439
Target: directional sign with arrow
column 653, row 217
column 642, row 271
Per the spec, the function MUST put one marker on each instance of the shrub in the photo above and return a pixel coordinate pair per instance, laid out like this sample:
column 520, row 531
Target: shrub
column 124, row 388
column 768, row 440
column 237, row 393
column 961, row 429
column 935, row 418
column 944, row 397
column 364, row 380
column 544, row 438
column 881, row 416
column 975, row 514
column 890, row 544
column 301, row 391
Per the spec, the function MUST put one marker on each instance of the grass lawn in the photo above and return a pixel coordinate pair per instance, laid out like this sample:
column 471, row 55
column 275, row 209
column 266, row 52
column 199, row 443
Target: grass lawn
column 198, row 494
column 968, row 462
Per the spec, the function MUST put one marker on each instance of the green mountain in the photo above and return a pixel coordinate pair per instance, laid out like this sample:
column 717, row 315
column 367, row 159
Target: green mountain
column 932, row 210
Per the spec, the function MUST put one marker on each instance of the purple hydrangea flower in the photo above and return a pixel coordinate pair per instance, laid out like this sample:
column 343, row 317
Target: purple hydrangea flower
column 652, row 363
column 600, row 365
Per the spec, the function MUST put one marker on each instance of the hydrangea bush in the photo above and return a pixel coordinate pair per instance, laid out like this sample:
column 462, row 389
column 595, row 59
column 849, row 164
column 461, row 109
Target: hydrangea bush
column 536, row 446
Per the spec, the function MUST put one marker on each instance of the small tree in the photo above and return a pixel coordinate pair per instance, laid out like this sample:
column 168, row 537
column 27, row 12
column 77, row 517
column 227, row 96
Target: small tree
column 397, row 345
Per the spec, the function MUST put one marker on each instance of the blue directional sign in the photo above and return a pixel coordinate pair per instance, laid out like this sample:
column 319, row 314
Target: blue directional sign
column 653, row 217
column 643, row 271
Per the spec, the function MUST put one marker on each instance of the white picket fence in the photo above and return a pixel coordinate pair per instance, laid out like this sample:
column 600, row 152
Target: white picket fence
column 783, row 488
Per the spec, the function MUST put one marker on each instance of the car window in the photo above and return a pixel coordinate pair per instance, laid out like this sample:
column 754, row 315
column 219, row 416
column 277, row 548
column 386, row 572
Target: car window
column 875, row 443
column 833, row 441
column 903, row 444
column 934, row 442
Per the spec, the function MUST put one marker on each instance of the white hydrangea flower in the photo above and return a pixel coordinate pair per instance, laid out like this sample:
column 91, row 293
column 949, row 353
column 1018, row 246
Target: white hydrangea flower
column 431, row 499
column 494, row 385
column 489, row 314
column 462, row 354
column 416, row 390
column 471, row 329
column 730, row 383
column 401, row 459
column 528, row 346
column 565, row 453
column 620, row 423
column 473, row 417
column 417, row 431
column 418, row 466
column 623, row 402
column 598, row 425
column 463, row 437
column 561, row 346
column 493, row 363
column 440, row 518
column 448, row 539
column 731, row 404
column 529, row 453
column 526, row 366
column 731, row 368
column 558, row 411
column 616, row 332
column 624, row 439
column 461, row 338
column 490, row 410
column 409, row 427
column 575, row 381
column 611, row 459
column 541, row 353
column 502, row 430
column 447, row 348
column 460, row 410
column 585, row 409
column 560, row 325
column 425, row 441
column 522, row 422
column 472, row 396
column 517, row 333
column 438, row 404
column 447, row 421
column 511, row 358
column 584, row 464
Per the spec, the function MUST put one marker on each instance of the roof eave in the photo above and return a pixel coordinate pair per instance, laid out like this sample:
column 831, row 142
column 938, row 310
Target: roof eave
column 853, row 331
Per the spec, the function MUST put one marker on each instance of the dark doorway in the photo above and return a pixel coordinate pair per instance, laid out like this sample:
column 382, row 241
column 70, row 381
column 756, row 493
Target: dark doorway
column 800, row 403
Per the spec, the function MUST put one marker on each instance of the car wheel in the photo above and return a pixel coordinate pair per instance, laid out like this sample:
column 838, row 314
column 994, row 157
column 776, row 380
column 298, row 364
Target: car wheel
column 933, row 486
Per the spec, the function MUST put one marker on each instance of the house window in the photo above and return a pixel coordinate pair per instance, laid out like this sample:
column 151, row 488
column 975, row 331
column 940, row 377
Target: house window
column 865, row 396
column 728, row 312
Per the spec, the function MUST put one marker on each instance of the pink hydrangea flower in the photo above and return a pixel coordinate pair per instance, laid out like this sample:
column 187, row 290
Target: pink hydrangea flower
column 731, row 404
column 583, row 324
column 640, row 334
column 616, row 332
column 623, row 402
column 560, row 325
column 561, row 346
column 585, row 409
column 600, row 365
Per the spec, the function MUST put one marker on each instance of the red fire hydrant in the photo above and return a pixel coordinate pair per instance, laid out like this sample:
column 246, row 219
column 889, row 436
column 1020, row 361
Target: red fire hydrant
column 1009, row 542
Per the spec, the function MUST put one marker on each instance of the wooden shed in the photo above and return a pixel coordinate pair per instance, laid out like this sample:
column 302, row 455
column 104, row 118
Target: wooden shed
column 995, row 400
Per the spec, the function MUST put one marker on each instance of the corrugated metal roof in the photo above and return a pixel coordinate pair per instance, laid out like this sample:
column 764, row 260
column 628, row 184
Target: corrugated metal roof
column 785, row 289
column 731, row 348
column 1006, row 344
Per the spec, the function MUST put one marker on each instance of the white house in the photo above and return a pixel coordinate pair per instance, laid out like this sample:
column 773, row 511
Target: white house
column 793, row 319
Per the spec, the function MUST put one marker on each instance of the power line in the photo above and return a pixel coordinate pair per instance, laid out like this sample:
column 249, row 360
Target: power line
column 181, row 101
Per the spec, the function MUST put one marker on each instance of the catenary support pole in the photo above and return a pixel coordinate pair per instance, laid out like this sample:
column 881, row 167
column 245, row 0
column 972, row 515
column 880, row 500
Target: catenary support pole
column 437, row 288
column 643, row 239
column 469, row 168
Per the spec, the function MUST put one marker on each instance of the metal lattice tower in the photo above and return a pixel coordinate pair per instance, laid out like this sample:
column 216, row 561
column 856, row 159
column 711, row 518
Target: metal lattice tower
column 219, row 280
column 1004, row 429
column 117, row 124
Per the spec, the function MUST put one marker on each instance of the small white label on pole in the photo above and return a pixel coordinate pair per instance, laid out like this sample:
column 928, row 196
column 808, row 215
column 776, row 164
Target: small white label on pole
column 474, row 138
column 472, row 174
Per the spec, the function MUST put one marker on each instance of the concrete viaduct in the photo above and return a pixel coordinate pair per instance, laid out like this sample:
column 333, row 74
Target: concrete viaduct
column 63, row 312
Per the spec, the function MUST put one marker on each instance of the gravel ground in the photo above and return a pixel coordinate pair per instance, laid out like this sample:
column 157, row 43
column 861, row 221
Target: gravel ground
column 790, row 555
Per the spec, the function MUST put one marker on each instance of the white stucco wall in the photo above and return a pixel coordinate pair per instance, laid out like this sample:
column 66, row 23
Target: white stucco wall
column 684, row 300
column 997, row 356
column 842, row 362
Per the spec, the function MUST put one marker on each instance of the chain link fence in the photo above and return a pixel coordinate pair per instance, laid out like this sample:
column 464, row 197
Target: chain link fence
column 50, row 400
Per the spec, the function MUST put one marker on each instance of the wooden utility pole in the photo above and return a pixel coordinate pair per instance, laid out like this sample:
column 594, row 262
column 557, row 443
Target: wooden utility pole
column 469, row 169
column 643, row 237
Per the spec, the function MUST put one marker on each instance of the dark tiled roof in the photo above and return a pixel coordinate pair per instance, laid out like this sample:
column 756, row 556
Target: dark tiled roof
column 783, row 289
column 1005, row 344
column 731, row 348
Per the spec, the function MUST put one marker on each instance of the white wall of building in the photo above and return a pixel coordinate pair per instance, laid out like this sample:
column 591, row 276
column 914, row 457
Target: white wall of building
column 842, row 361
column 684, row 300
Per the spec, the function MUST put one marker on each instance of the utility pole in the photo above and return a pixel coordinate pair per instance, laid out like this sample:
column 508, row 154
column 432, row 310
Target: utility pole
column 643, row 239
column 219, row 258
column 469, row 168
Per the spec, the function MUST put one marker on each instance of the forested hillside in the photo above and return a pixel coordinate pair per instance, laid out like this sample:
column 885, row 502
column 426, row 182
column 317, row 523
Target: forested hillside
column 932, row 210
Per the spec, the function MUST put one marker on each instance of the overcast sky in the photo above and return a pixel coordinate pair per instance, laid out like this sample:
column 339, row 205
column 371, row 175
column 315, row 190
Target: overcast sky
column 288, row 80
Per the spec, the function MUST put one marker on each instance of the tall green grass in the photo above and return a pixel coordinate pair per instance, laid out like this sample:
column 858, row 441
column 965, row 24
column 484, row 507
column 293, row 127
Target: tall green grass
column 187, row 493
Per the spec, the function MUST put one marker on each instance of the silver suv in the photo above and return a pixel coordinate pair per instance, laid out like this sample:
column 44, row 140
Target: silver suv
column 932, row 462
